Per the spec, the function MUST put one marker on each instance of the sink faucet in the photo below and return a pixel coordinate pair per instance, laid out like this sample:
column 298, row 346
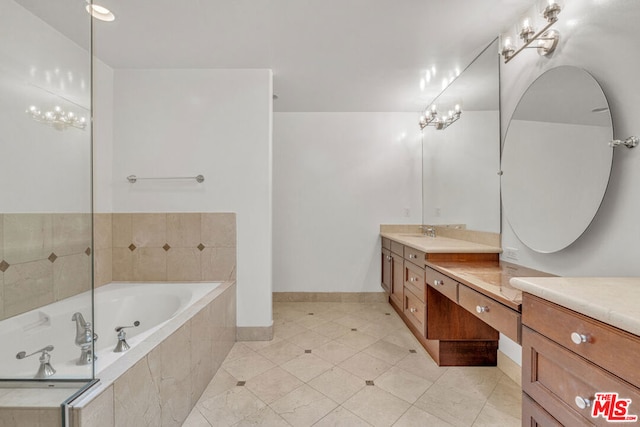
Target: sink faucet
column 84, row 339
column 429, row 230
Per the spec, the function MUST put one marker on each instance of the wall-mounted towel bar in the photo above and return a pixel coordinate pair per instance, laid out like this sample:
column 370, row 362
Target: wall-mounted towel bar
column 133, row 179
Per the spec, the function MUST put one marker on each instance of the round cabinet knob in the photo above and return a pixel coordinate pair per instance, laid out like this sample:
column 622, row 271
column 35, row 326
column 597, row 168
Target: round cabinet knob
column 388, row 258
column 579, row 338
column 411, row 256
column 482, row 309
column 582, row 402
column 413, row 310
column 438, row 282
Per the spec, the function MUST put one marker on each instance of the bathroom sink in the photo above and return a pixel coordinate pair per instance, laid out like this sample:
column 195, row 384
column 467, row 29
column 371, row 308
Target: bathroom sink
column 413, row 235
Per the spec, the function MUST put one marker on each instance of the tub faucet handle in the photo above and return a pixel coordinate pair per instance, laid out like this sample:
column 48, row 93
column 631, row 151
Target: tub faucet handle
column 122, row 337
column 136, row 323
column 45, row 370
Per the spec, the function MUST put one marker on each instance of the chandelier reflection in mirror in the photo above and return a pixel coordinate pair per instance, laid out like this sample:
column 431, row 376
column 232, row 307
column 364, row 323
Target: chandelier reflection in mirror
column 58, row 118
column 547, row 39
column 431, row 117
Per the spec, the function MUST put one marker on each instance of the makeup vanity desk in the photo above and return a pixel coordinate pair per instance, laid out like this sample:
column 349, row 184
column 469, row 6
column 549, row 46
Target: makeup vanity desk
column 454, row 295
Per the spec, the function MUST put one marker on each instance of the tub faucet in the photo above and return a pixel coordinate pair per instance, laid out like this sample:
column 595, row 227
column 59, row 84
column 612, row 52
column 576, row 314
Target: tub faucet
column 45, row 370
column 84, row 339
column 122, row 338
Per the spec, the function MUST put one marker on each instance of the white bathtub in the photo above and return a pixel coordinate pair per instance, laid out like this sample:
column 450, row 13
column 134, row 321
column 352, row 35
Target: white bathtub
column 116, row 304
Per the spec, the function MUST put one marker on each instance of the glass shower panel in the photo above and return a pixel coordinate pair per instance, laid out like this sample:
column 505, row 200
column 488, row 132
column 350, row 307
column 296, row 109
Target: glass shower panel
column 46, row 248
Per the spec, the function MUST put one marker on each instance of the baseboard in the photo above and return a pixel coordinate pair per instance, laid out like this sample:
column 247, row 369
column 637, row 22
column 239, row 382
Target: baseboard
column 254, row 333
column 361, row 297
column 510, row 368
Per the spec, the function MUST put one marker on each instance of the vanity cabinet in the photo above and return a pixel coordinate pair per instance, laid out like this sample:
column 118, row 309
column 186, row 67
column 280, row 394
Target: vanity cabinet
column 567, row 359
column 414, row 306
column 491, row 312
column 387, row 266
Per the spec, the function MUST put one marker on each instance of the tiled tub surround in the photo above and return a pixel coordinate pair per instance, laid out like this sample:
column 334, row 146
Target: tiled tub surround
column 155, row 383
column 44, row 257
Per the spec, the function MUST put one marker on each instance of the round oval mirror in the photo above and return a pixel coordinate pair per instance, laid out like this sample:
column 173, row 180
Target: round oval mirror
column 556, row 160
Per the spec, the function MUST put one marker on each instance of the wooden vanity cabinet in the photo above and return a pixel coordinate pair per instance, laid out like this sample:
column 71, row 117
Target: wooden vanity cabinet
column 567, row 358
column 397, row 273
column 387, row 266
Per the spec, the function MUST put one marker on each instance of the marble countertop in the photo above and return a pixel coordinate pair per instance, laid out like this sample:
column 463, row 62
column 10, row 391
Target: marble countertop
column 612, row 300
column 440, row 245
column 489, row 278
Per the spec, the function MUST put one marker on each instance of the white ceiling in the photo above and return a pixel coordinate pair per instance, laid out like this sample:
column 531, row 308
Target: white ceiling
column 329, row 55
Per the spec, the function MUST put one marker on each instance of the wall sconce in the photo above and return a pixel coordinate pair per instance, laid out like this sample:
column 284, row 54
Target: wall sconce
column 431, row 118
column 57, row 118
column 547, row 39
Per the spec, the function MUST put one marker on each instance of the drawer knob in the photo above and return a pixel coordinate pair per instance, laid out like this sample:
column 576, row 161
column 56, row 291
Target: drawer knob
column 438, row 283
column 579, row 338
column 388, row 258
column 411, row 256
column 582, row 402
column 482, row 309
column 413, row 279
column 413, row 310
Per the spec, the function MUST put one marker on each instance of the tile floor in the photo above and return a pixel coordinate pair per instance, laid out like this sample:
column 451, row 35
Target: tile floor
column 349, row 364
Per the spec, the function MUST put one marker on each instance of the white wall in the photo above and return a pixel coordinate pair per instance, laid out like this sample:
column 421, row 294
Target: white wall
column 42, row 169
column 103, row 76
column 461, row 164
column 211, row 122
column 337, row 177
column 599, row 36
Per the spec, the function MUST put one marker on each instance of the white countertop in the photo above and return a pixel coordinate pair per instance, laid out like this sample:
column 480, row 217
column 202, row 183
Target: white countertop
column 440, row 245
column 612, row 300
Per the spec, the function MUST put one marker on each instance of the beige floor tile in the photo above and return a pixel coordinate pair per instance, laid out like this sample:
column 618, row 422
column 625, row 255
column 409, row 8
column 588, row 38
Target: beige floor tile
column 309, row 340
column 239, row 350
column 415, row 417
column 311, row 321
column 341, row 417
column 477, row 382
column 287, row 330
column 264, row 417
column 422, row 366
column 356, row 340
column 303, row 406
column 273, row 384
column 331, row 330
column 490, row 417
column 365, row 366
column 330, row 315
column 306, row 366
column 403, row 338
column 507, row 397
column 281, row 352
column 376, row 406
column 334, row 352
column 221, row 382
column 350, row 321
column 259, row 345
column 380, row 330
column 230, row 407
column 245, row 368
column 450, row 405
column 196, row 419
column 337, row 384
column 402, row 384
column 387, row 352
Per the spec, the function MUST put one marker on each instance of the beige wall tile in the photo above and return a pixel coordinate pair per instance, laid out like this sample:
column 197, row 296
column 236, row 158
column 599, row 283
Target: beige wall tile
column 122, row 259
column 219, row 264
column 49, row 417
column 2, row 295
column 149, row 264
column 102, row 231
column 27, row 286
column 100, row 412
column 219, row 230
column 27, row 237
column 71, row 233
column 137, row 397
column 103, row 266
column 122, row 230
column 1, row 237
column 71, row 275
column 202, row 361
column 183, row 264
column 183, row 230
column 149, row 229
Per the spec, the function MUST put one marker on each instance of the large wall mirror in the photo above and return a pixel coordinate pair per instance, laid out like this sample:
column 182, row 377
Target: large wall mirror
column 460, row 166
column 556, row 161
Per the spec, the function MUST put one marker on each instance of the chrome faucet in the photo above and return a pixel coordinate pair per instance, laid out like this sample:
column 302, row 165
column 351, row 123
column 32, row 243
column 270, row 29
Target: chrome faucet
column 84, row 339
column 45, row 370
column 122, row 338
column 429, row 230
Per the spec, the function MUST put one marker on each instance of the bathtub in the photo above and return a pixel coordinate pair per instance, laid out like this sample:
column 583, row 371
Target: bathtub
column 116, row 304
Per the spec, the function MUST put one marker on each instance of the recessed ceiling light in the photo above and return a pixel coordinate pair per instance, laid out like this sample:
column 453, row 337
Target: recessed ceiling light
column 100, row 12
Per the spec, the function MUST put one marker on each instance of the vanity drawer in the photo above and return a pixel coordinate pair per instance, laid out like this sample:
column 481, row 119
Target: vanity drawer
column 414, row 255
column 397, row 248
column 614, row 350
column 557, row 379
column 415, row 310
column 491, row 312
column 386, row 243
column 414, row 280
column 443, row 284
column 535, row 416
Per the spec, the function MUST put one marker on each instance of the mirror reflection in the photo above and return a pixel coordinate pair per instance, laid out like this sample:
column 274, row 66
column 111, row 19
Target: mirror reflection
column 556, row 161
column 461, row 185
